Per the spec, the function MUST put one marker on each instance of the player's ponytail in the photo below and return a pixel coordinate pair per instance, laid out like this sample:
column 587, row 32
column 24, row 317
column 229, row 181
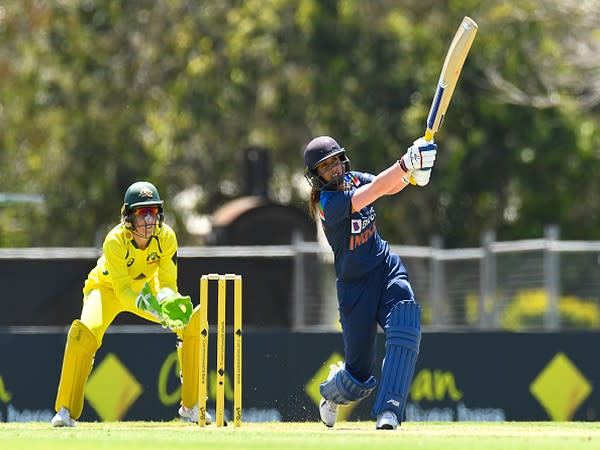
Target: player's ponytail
column 313, row 203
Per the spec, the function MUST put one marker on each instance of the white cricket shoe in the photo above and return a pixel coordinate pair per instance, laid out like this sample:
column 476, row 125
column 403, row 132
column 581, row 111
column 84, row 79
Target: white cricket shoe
column 328, row 411
column 63, row 418
column 191, row 415
column 387, row 420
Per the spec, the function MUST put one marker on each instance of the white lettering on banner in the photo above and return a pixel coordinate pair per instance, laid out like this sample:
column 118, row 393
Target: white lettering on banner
column 253, row 415
column 260, row 415
column 45, row 415
column 416, row 413
column 479, row 414
column 28, row 415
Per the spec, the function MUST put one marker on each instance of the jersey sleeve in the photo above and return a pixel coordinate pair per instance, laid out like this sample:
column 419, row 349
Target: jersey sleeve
column 115, row 254
column 335, row 206
column 167, row 271
column 365, row 178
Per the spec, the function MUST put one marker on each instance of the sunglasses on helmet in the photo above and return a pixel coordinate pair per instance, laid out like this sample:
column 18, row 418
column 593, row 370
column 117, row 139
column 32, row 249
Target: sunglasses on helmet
column 145, row 210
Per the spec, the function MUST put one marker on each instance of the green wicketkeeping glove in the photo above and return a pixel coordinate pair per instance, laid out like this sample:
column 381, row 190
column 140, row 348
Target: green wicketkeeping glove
column 176, row 308
column 146, row 301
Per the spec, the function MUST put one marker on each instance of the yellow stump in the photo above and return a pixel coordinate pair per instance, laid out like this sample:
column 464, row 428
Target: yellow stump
column 237, row 353
column 220, row 400
column 203, row 348
column 221, row 348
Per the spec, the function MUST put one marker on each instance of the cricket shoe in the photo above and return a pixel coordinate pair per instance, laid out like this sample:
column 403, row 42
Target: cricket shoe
column 387, row 420
column 191, row 415
column 328, row 411
column 63, row 418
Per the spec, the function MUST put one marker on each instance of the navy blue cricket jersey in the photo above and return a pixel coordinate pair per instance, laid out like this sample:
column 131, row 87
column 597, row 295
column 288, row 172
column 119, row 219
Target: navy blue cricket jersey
column 353, row 237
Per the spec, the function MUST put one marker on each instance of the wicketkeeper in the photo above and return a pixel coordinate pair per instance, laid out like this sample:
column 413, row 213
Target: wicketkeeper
column 137, row 272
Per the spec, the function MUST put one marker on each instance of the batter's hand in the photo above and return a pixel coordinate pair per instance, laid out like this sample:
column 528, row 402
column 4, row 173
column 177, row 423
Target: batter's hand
column 421, row 176
column 420, row 155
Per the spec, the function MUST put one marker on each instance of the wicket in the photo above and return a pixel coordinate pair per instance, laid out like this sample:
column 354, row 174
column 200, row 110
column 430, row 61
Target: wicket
column 237, row 348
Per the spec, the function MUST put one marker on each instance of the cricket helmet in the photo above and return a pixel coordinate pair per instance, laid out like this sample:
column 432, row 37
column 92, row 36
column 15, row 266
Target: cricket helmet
column 141, row 194
column 317, row 151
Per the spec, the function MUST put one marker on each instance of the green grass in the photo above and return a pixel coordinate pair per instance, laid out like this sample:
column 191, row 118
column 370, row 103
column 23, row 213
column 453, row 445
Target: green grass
column 304, row 436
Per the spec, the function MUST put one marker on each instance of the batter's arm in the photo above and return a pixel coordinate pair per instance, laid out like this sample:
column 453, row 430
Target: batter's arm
column 388, row 182
column 420, row 155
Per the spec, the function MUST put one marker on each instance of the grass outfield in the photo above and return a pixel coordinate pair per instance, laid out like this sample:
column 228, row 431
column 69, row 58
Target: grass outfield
column 304, row 436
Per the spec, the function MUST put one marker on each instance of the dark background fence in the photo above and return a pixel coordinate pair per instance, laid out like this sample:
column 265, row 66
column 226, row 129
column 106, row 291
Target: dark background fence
column 48, row 291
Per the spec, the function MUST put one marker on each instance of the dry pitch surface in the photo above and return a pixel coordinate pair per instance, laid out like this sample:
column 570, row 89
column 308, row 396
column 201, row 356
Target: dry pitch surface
column 305, row 436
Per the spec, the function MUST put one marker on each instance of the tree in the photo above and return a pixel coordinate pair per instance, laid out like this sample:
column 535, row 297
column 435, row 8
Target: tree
column 96, row 94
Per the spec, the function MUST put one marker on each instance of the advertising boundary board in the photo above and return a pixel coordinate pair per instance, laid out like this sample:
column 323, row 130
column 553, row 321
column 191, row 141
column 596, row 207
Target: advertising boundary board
column 459, row 376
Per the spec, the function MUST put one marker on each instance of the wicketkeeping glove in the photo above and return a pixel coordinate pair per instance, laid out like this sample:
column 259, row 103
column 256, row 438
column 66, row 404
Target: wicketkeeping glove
column 171, row 309
column 176, row 308
column 146, row 301
column 420, row 155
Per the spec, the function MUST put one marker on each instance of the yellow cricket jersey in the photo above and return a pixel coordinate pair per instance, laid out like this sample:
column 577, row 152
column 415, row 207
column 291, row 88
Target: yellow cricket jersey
column 124, row 268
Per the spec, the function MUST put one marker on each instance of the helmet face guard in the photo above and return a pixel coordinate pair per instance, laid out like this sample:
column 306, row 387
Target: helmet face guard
column 141, row 195
column 317, row 151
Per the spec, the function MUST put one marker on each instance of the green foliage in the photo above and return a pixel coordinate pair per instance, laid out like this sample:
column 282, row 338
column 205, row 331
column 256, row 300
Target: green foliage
column 96, row 94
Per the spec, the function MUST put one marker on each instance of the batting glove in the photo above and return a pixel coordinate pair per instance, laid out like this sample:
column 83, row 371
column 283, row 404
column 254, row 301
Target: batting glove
column 421, row 176
column 420, row 155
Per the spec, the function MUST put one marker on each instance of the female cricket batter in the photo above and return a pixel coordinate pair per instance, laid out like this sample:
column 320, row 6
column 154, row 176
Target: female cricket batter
column 138, row 261
column 372, row 283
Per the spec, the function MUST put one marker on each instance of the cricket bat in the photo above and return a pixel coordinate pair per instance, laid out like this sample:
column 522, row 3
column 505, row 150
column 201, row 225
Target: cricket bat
column 453, row 64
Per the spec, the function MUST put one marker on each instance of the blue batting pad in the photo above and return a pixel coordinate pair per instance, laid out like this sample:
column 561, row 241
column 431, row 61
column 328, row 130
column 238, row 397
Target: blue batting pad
column 343, row 388
column 402, row 340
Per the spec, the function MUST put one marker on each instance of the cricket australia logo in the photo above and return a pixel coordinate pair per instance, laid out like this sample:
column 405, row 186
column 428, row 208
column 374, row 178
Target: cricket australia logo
column 152, row 258
column 146, row 193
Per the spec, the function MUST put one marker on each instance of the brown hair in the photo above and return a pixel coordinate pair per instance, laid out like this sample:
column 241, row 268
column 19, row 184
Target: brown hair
column 313, row 203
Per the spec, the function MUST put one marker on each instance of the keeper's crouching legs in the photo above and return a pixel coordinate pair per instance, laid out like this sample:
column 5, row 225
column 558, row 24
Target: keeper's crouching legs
column 188, row 349
column 77, row 364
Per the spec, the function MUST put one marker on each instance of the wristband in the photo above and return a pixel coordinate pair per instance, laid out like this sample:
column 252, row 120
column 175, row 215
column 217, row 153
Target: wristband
column 402, row 165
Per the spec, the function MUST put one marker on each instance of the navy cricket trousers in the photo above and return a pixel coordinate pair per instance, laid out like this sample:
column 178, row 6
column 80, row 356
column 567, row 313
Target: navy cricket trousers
column 365, row 303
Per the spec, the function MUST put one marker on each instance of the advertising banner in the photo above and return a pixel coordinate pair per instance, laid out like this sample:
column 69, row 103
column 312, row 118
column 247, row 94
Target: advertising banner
column 459, row 377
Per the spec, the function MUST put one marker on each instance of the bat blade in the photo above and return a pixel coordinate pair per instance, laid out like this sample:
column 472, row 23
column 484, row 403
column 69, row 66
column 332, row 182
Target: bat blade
column 453, row 64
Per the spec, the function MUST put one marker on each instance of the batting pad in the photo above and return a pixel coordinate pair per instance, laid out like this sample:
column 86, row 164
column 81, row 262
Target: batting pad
column 77, row 365
column 343, row 388
column 190, row 355
column 402, row 340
